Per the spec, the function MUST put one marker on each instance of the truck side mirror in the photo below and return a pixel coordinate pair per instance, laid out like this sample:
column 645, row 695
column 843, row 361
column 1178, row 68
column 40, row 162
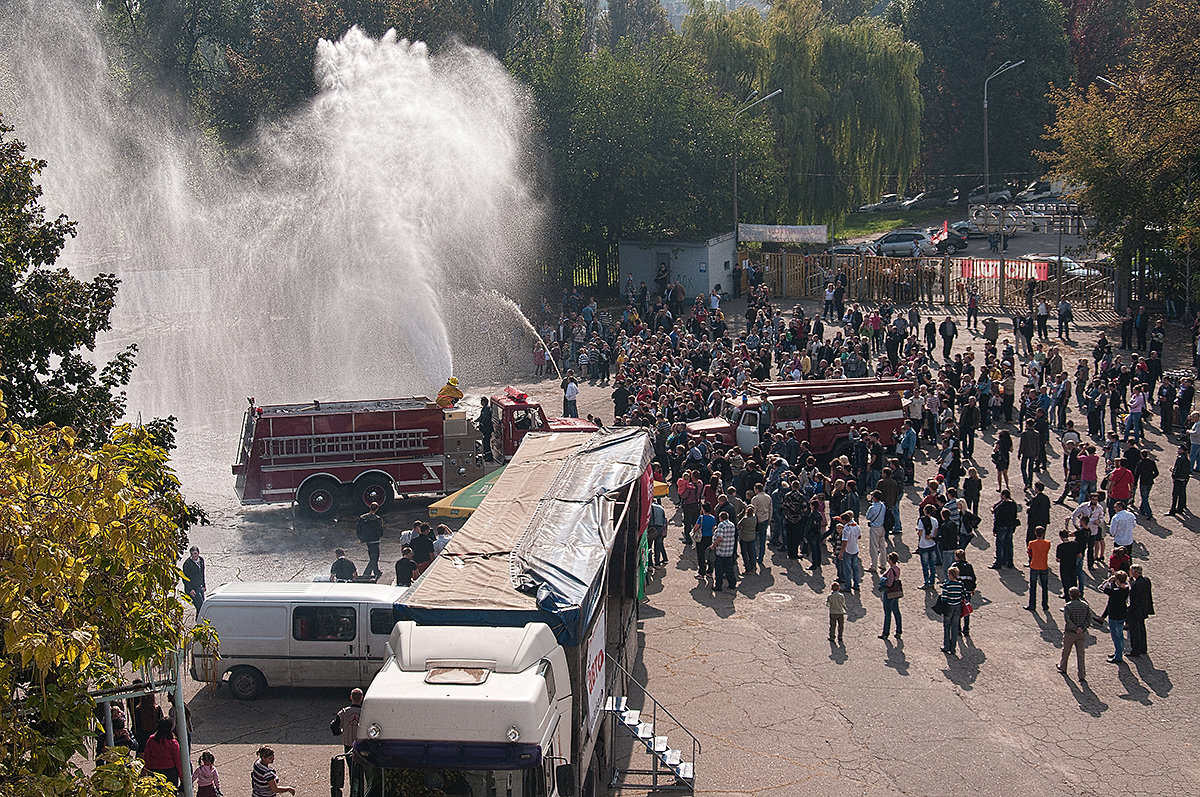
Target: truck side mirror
column 564, row 779
column 337, row 775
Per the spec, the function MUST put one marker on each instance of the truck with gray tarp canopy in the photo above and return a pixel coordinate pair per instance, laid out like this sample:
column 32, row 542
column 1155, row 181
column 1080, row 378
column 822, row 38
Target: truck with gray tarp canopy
column 498, row 669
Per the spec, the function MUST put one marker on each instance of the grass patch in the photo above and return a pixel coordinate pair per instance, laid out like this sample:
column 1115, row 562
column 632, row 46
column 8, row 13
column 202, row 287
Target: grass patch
column 871, row 225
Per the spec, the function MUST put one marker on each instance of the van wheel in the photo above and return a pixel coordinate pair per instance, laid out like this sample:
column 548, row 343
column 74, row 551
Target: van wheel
column 246, row 683
column 369, row 490
column 318, row 498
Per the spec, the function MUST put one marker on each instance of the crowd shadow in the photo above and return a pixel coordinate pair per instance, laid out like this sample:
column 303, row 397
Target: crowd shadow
column 1158, row 680
column 896, row 659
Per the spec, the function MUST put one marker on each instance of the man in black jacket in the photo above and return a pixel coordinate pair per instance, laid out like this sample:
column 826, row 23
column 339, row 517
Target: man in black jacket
column 1038, row 512
column 193, row 577
column 1141, row 606
column 1181, row 474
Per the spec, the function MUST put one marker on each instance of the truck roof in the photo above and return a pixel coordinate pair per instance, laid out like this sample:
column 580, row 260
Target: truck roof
column 333, row 407
column 822, row 386
column 536, row 549
column 305, row 590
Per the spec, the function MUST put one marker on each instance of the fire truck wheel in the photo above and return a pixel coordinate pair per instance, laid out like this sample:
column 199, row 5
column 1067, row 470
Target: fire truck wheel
column 318, row 498
column 246, row 683
column 369, row 490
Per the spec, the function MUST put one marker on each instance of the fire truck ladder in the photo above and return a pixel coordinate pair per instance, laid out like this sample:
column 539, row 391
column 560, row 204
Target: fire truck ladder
column 669, row 768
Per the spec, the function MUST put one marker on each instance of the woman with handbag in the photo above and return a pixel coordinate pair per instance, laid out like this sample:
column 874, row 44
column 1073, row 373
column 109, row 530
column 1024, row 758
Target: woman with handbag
column 893, row 591
column 966, row 574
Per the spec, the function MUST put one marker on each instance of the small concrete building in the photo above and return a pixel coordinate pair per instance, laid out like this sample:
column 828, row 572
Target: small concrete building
column 698, row 265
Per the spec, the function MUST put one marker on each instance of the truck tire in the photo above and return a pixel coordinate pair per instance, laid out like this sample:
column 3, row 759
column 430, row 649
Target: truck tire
column 370, row 489
column 318, row 498
column 246, row 683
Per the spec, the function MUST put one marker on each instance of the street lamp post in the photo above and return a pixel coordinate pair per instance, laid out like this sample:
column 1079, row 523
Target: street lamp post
column 987, row 175
column 987, row 187
column 750, row 103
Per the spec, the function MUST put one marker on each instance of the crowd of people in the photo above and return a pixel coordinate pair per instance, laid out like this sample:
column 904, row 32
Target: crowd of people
column 671, row 365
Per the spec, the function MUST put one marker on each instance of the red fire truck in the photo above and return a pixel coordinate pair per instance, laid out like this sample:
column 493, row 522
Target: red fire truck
column 328, row 456
column 820, row 411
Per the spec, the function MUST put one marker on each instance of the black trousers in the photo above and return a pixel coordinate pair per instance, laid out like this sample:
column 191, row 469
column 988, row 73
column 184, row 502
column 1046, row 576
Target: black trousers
column 1136, row 625
column 1179, row 495
column 372, row 568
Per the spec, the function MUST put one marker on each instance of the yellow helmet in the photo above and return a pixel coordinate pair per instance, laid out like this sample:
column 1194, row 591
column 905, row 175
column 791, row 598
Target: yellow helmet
column 454, row 381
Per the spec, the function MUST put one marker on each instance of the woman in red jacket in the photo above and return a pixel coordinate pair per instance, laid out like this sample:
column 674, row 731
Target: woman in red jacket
column 161, row 752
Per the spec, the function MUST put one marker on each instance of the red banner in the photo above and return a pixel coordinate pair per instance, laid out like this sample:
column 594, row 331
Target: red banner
column 974, row 268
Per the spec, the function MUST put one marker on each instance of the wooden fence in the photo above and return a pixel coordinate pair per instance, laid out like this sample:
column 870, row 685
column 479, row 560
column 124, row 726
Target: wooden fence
column 937, row 280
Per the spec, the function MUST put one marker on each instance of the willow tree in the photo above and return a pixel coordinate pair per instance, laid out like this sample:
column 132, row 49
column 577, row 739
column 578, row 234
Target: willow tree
column 869, row 130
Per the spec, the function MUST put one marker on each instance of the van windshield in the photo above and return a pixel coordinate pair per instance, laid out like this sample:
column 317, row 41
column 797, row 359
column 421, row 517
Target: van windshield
column 370, row 781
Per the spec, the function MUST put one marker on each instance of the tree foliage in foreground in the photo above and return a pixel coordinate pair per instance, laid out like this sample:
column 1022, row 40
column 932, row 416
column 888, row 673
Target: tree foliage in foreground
column 89, row 540
column 48, row 318
column 1132, row 147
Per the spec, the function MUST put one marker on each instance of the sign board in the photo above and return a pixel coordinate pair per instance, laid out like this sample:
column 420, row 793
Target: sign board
column 973, row 268
column 784, row 233
column 596, row 677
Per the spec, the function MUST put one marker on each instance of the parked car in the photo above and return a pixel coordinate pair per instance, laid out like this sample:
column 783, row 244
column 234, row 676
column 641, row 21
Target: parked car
column 1038, row 191
column 1070, row 267
column 926, row 199
column 886, row 202
column 999, row 196
column 844, row 250
column 899, row 243
column 974, row 229
column 953, row 243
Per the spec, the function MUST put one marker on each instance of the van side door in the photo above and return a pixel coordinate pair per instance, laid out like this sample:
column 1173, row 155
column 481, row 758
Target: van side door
column 325, row 644
column 377, row 622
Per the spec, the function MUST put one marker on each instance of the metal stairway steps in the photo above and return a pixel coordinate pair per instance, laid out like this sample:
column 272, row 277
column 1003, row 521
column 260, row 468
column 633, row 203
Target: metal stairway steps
column 668, row 762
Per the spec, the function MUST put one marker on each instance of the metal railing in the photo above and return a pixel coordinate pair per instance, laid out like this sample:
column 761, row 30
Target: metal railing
column 658, row 769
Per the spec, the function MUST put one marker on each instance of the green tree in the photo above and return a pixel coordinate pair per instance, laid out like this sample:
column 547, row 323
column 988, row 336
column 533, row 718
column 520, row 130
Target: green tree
column 639, row 143
column 48, row 318
column 636, row 20
column 271, row 69
column 962, row 44
column 89, row 540
column 1132, row 149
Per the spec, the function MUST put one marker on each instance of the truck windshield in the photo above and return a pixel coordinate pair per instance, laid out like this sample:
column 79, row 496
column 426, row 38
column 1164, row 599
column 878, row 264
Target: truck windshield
column 371, row 781
column 732, row 412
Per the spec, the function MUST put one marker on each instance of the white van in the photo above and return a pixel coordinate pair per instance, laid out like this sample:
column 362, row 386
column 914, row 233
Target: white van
column 296, row 634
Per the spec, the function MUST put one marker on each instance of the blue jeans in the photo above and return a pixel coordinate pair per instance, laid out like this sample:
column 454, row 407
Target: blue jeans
column 1116, row 628
column 895, row 510
column 1086, row 489
column 848, row 570
column 760, row 540
column 951, row 628
column 1038, row 577
column 1079, row 570
column 1004, row 546
column 891, row 606
column 1145, row 488
column 929, row 562
column 1134, row 421
column 725, row 567
column 1194, row 456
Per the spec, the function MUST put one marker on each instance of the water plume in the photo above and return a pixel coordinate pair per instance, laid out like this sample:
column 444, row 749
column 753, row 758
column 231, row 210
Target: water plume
column 322, row 269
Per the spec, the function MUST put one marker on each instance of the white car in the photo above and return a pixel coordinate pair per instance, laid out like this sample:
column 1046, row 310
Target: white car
column 899, row 243
column 1070, row 267
column 886, row 202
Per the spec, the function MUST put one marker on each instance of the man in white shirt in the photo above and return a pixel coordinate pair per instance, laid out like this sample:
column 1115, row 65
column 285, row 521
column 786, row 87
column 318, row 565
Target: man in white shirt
column 848, row 560
column 570, row 395
column 1122, row 525
column 877, row 536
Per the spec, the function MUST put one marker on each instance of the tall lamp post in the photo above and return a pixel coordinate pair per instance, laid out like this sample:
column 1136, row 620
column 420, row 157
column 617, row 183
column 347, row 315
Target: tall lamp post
column 987, row 186
column 750, row 103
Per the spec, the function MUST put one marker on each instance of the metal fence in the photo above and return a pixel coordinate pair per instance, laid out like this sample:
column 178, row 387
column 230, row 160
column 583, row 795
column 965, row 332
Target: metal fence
column 939, row 280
